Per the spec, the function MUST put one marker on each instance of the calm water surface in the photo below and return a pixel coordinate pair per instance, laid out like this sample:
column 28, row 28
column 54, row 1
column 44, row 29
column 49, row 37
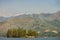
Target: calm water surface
column 30, row 38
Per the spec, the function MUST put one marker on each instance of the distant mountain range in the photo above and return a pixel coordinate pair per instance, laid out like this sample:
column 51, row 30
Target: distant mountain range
column 51, row 16
column 38, row 22
column 2, row 19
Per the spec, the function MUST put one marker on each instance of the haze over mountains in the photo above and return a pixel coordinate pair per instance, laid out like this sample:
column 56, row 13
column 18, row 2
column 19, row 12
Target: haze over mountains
column 38, row 22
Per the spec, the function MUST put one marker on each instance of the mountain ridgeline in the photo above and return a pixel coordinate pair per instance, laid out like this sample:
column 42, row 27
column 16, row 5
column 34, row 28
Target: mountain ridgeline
column 37, row 22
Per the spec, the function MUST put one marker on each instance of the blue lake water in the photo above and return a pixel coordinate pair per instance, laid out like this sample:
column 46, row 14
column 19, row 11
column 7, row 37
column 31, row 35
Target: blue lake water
column 30, row 38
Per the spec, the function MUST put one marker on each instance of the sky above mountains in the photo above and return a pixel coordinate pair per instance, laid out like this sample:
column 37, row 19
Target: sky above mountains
column 16, row 7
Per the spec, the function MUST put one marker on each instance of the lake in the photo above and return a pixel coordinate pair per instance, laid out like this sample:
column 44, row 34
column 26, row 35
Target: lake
column 51, row 38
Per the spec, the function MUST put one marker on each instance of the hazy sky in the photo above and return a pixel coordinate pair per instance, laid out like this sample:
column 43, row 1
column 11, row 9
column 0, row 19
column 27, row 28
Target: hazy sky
column 16, row 7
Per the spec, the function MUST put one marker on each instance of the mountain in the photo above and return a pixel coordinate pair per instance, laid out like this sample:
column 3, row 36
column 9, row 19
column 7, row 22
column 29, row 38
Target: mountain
column 55, row 16
column 45, row 15
column 38, row 22
column 2, row 18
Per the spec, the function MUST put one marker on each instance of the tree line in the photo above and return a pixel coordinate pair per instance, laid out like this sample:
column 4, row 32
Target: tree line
column 21, row 33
